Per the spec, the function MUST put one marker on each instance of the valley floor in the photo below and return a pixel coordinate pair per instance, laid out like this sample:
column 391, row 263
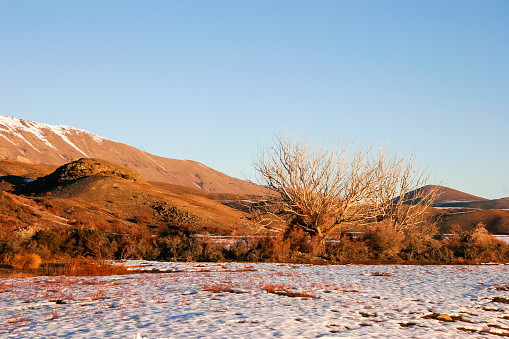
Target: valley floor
column 235, row 300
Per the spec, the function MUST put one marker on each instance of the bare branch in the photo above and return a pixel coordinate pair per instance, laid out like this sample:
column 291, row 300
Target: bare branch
column 319, row 189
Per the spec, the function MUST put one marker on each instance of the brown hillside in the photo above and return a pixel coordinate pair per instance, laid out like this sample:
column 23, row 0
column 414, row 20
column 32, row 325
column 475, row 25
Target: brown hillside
column 37, row 143
column 452, row 198
column 120, row 192
column 129, row 200
column 62, row 215
column 448, row 194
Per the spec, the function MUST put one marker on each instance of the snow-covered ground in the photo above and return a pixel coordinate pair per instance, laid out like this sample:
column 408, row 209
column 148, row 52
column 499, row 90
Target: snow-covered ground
column 191, row 300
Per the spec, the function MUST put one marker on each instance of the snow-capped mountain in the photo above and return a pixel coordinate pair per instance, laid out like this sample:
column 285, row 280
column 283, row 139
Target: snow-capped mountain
column 39, row 143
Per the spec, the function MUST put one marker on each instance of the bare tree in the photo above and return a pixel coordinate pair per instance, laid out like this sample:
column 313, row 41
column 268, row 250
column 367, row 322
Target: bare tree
column 403, row 198
column 320, row 189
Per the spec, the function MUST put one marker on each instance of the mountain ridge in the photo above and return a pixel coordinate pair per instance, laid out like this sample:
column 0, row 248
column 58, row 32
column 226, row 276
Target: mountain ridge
column 39, row 143
column 451, row 195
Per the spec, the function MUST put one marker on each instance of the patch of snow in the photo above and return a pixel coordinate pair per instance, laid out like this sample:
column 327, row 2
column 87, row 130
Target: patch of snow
column 60, row 131
column 458, row 208
column 246, row 300
column 502, row 237
column 5, row 137
column 14, row 125
column 460, row 212
column 155, row 162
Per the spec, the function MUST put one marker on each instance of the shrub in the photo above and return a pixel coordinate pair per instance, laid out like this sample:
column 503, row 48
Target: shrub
column 181, row 230
column 142, row 219
column 240, row 251
column 348, row 249
column 169, row 247
column 183, row 247
column 416, row 247
column 481, row 246
column 88, row 242
column 300, row 241
column 9, row 246
column 138, row 244
column 211, row 252
column 25, row 234
column 48, row 240
column 272, row 249
column 385, row 242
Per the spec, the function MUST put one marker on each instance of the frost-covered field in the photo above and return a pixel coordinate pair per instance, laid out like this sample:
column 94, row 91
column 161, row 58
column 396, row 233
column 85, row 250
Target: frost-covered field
column 262, row 300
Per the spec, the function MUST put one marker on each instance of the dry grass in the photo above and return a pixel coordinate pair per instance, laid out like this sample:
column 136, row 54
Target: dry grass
column 18, row 318
column 285, row 290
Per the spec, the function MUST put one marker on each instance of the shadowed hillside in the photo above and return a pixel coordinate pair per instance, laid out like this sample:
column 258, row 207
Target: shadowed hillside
column 496, row 221
column 452, row 198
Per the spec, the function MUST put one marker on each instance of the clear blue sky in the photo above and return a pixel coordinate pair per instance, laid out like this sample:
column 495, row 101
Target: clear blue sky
column 212, row 81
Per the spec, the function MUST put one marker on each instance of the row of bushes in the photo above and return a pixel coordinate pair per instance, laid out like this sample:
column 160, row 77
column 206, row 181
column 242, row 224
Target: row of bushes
column 381, row 245
column 171, row 243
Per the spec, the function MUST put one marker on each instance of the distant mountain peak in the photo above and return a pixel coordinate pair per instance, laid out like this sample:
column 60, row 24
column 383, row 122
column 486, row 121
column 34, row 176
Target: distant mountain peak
column 451, row 195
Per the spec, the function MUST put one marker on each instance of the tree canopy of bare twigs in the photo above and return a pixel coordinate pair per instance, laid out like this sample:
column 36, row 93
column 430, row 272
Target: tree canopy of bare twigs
column 320, row 189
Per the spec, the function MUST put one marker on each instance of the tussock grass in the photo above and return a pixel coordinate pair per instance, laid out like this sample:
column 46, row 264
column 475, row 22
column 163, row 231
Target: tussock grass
column 285, row 290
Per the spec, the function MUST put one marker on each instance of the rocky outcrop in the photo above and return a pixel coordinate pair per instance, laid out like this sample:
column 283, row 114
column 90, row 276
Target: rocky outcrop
column 88, row 166
column 80, row 169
